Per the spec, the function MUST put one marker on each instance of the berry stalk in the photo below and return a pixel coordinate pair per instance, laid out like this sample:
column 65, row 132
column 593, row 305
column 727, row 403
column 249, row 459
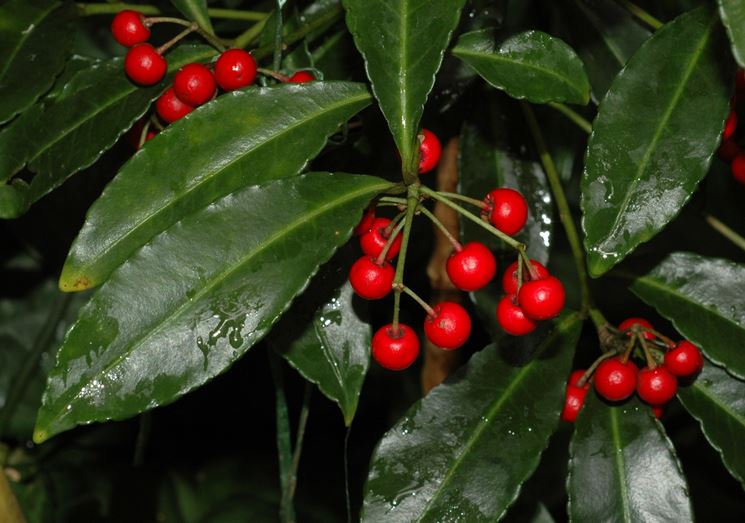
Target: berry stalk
column 455, row 243
column 412, row 204
column 93, row 9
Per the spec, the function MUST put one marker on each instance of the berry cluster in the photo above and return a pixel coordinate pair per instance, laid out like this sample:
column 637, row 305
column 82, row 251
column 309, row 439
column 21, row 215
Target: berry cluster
column 730, row 150
column 616, row 377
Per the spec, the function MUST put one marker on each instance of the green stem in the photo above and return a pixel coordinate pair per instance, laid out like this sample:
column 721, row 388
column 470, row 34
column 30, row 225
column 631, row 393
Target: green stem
column 274, row 74
column 591, row 369
column 284, row 445
column 455, row 196
column 391, row 238
column 277, row 53
column 565, row 214
column 641, row 14
column 393, row 199
column 572, row 115
column 725, row 231
column 40, row 345
column 429, row 310
column 85, row 9
column 597, row 318
column 302, row 422
column 412, row 204
column 176, row 39
column 651, row 363
column 249, row 35
column 455, row 243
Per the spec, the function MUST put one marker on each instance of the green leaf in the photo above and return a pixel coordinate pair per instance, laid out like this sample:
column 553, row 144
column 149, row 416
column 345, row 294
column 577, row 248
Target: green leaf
column 328, row 343
column 532, row 65
column 653, row 137
column 242, row 138
column 605, row 36
column 732, row 13
column 462, row 452
column 70, row 131
column 402, row 42
column 196, row 11
column 703, row 298
column 36, row 37
column 199, row 296
column 623, row 467
column 717, row 401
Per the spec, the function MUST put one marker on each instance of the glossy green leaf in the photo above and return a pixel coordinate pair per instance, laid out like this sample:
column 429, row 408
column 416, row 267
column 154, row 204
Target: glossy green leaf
column 402, row 42
column 195, row 10
column 654, row 136
column 732, row 13
column 70, row 131
column 605, row 35
column 532, row 65
column 198, row 296
column 29, row 63
column 717, row 401
column 623, row 467
column 242, row 138
column 703, row 298
column 462, row 452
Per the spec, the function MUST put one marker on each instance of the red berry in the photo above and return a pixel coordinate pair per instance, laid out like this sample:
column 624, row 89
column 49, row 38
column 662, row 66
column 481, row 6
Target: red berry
column 630, row 322
column 506, row 209
column 656, row 386
column 738, row 168
column 542, row 299
column 371, row 280
column 615, row 381
column 194, row 84
column 170, row 107
column 509, row 279
column 472, row 267
column 128, row 28
column 395, row 350
column 684, row 360
column 573, row 401
column 730, row 125
column 368, row 217
column 144, row 65
column 575, row 376
column 301, row 77
column 657, row 410
column 450, row 327
column 430, row 151
column 512, row 318
column 374, row 240
column 728, row 150
column 235, row 69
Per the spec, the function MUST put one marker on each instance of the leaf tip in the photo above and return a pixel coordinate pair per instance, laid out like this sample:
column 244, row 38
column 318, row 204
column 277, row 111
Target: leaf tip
column 40, row 435
column 71, row 282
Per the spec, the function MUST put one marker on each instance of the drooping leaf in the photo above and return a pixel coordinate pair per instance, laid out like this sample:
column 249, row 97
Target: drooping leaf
column 195, row 10
column 402, row 42
column 702, row 297
column 462, row 452
column 29, row 63
column 717, row 401
column 71, row 130
column 605, row 36
column 732, row 13
column 198, row 296
column 654, row 136
column 623, row 467
column 242, row 138
column 532, row 65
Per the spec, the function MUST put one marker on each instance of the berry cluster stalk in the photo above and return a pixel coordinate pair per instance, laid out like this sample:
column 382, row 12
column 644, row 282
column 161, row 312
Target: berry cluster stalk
column 411, row 205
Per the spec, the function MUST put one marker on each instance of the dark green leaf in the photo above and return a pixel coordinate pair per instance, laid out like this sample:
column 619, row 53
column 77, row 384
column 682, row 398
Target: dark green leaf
column 533, row 65
column 195, row 10
column 623, row 467
column 703, row 297
column 402, row 42
column 654, row 136
column 462, row 452
column 733, row 18
column 717, row 401
column 242, row 138
column 71, row 130
column 36, row 37
column 198, row 296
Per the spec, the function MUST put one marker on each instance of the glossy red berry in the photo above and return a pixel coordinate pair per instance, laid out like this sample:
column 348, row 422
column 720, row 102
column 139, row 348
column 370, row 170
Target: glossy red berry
column 728, row 150
column 730, row 126
column 368, row 217
column 573, row 400
column 656, row 386
column 472, row 267
column 301, row 77
column 738, row 168
column 430, row 151
column 512, row 319
column 684, row 360
column 374, row 240
column 542, row 299
column 614, row 380
column 395, row 350
column 170, row 107
column 234, row 69
column 450, row 327
column 371, row 280
column 630, row 322
column 506, row 209
column 574, row 378
column 128, row 28
column 509, row 278
column 144, row 65
column 658, row 410
column 194, row 84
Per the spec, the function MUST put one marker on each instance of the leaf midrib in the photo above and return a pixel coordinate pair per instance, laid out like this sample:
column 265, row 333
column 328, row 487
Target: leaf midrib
column 620, row 461
column 25, row 37
column 323, row 340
